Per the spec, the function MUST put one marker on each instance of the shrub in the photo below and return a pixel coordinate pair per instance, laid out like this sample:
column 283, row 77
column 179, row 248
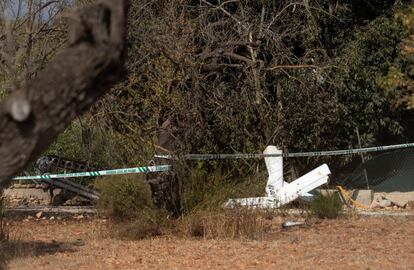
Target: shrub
column 127, row 202
column 124, row 197
column 203, row 190
column 326, row 206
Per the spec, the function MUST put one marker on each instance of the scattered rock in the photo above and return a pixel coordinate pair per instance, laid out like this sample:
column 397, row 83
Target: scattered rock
column 384, row 203
column 52, row 218
column 39, row 215
column 79, row 217
column 375, row 205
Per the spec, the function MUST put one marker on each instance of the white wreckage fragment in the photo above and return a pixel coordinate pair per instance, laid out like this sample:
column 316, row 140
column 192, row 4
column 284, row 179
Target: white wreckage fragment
column 280, row 192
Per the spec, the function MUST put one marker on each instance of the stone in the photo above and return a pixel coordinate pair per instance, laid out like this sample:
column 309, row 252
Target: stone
column 79, row 217
column 375, row 205
column 384, row 203
column 39, row 215
column 363, row 196
column 401, row 199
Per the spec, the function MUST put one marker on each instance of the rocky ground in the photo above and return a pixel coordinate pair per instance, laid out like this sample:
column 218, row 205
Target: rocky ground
column 345, row 243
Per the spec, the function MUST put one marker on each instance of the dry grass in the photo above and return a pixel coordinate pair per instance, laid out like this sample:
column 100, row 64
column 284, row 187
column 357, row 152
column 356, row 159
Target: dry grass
column 345, row 243
column 147, row 223
column 226, row 224
column 221, row 224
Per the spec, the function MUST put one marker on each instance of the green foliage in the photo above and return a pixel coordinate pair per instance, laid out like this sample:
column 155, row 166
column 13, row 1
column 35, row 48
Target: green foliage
column 88, row 141
column 219, row 103
column 124, row 197
column 127, row 201
column 326, row 206
column 301, row 76
column 2, row 94
column 398, row 82
column 363, row 104
column 202, row 190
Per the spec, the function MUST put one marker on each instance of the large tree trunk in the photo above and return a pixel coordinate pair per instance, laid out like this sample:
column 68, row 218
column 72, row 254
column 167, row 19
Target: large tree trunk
column 32, row 117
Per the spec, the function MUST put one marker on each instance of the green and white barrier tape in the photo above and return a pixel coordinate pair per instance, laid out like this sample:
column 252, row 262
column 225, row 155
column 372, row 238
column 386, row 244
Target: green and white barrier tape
column 164, row 168
column 149, row 169
column 303, row 154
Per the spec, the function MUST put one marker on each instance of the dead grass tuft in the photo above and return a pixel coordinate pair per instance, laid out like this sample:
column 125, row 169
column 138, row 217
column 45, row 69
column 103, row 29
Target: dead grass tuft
column 225, row 224
column 146, row 223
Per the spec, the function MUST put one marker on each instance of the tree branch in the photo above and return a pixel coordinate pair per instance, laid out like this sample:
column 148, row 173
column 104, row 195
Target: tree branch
column 91, row 64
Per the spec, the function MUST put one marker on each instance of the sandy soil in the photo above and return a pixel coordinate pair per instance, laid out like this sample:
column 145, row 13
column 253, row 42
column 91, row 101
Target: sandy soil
column 351, row 243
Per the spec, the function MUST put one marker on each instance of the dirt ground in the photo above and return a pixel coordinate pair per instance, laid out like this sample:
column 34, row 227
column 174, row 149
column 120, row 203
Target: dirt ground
column 347, row 243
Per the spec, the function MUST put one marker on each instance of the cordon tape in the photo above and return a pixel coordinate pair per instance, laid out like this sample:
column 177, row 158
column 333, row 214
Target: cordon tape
column 164, row 168
column 149, row 169
column 290, row 155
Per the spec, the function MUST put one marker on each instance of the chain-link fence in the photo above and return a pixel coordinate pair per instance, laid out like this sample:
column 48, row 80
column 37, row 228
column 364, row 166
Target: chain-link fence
column 391, row 171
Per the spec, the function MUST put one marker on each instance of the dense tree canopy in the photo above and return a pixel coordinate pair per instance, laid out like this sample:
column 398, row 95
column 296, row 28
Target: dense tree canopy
column 235, row 76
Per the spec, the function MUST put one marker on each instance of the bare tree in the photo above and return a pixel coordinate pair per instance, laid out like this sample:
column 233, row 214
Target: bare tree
column 32, row 117
column 31, row 33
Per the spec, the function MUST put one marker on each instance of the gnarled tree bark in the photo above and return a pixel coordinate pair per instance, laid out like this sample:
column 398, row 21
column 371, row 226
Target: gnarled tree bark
column 32, row 117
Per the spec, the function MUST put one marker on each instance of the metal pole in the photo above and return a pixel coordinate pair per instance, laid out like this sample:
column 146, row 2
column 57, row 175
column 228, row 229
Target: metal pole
column 362, row 157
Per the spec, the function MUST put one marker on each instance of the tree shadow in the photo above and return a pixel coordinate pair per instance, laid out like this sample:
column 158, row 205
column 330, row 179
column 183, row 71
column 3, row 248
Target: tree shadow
column 20, row 249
